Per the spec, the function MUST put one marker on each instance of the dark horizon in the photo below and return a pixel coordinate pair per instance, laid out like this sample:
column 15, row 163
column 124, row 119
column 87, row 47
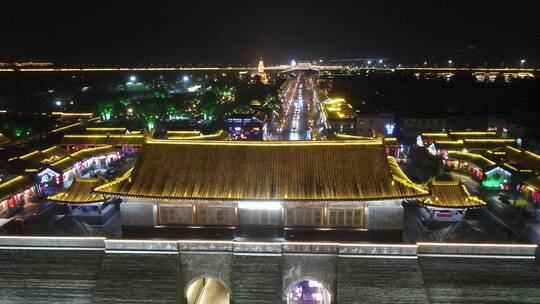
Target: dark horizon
column 492, row 32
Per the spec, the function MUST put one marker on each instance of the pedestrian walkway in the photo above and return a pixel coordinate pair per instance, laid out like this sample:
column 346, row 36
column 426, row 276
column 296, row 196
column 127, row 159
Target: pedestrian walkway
column 506, row 214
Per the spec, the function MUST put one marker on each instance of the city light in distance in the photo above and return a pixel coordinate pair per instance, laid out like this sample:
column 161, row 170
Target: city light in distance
column 58, row 103
column 293, row 62
column 132, row 78
column 185, row 78
column 380, row 61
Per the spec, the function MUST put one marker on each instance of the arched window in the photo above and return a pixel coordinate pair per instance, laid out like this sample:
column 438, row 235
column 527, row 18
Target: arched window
column 207, row 290
column 308, row 292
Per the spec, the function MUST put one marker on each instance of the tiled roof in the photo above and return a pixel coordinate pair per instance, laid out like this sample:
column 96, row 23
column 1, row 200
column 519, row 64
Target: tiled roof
column 67, row 163
column 475, row 159
column 451, row 195
column 488, row 144
column 4, row 139
column 105, row 130
column 80, row 192
column 325, row 170
column 103, row 139
column 434, row 136
column 37, row 159
column 472, row 135
column 220, row 135
column 525, row 159
column 14, row 186
column 534, row 183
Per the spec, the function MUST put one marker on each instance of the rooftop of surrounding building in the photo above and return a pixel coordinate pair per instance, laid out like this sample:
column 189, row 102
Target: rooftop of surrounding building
column 522, row 158
column 103, row 139
column 534, row 183
column 4, row 139
column 476, row 160
column 228, row 170
column 387, row 141
column 338, row 108
column 478, row 145
column 220, row 135
column 105, row 130
column 450, row 195
column 182, row 134
column 37, row 159
column 472, row 135
column 13, row 186
column 67, row 163
column 80, row 192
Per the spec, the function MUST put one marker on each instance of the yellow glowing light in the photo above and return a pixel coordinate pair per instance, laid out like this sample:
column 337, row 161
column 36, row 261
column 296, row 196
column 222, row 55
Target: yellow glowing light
column 66, row 127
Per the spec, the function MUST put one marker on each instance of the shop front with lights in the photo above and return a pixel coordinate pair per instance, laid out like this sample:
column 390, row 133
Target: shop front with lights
column 14, row 194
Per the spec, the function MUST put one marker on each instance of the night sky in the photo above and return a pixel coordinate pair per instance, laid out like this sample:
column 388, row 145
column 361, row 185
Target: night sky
column 242, row 31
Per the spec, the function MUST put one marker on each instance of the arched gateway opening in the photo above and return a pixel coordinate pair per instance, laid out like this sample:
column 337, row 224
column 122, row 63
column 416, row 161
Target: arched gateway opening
column 207, row 290
column 308, row 292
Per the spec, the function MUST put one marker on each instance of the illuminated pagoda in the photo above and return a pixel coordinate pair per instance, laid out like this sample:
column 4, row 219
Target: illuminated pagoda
column 448, row 202
column 261, row 73
column 323, row 184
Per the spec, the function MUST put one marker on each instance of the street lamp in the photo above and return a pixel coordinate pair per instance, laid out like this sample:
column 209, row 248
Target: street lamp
column 369, row 62
column 58, row 103
column 450, row 62
column 380, row 60
column 132, row 78
column 522, row 62
column 185, row 78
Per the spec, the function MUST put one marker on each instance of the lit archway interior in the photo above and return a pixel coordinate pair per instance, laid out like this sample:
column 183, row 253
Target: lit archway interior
column 308, row 292
column 207, row 290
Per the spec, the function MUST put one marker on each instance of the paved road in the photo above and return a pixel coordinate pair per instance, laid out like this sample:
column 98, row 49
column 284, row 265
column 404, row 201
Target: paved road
column 501, row 213
column 298, row 110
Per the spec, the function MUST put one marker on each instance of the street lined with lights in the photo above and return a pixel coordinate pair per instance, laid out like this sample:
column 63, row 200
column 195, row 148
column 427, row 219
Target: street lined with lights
column 297, row 108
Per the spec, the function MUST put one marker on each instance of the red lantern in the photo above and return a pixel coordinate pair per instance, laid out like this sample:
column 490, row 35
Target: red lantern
column 12, row 202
